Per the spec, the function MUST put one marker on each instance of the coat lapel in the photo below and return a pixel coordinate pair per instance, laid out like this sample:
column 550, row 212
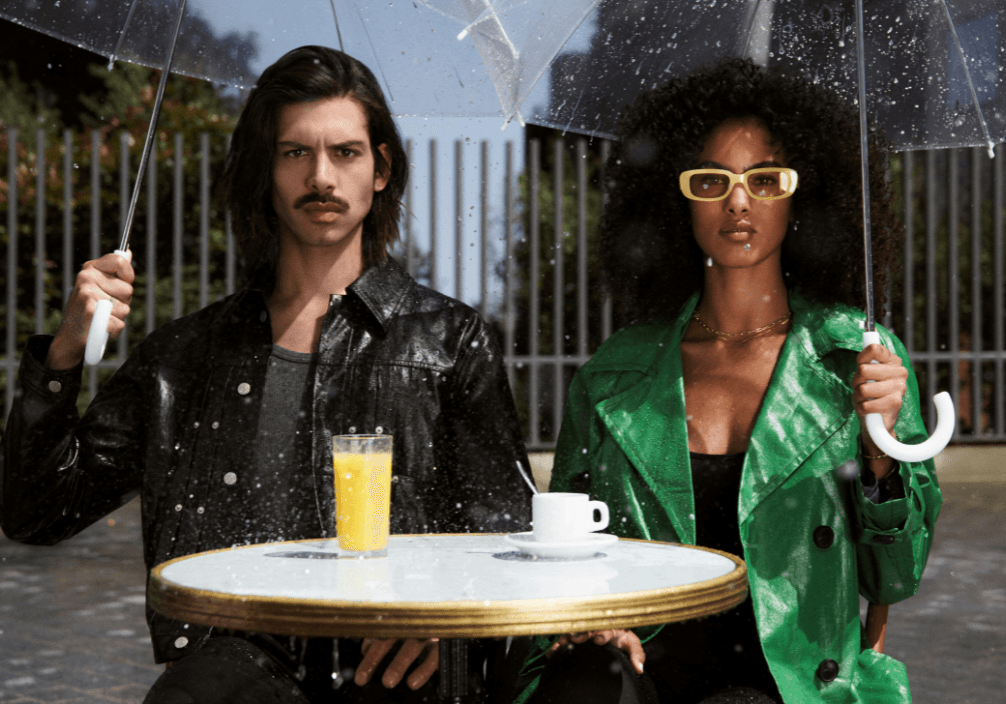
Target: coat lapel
column 804, row 405
column 647, row 420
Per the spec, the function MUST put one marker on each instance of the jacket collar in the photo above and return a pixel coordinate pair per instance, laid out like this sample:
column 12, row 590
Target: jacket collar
column 805, row 404
column 382, row 289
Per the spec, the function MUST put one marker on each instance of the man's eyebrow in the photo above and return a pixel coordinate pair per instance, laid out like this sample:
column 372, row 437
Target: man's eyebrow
column 341, row 145
column 709, row 164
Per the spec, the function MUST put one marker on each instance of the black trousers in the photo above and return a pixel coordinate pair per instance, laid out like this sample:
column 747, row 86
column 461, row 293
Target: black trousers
column 602, row 674
column 255, row 668
column 684, row 665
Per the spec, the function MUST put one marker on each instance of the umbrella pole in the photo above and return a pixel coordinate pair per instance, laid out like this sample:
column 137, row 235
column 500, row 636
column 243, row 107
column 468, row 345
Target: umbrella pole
column 97, row 334
column 151, row 130
column 865, row 162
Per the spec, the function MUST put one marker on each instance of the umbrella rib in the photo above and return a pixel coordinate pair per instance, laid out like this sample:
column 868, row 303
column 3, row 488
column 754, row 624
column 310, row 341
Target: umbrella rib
column 376, row 58
column 338, row 32
column 751, row 21
column 122, row 34
column 967, row 74
column 548, row 62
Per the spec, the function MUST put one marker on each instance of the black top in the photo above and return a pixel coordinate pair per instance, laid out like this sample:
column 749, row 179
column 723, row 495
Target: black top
column 692, row 660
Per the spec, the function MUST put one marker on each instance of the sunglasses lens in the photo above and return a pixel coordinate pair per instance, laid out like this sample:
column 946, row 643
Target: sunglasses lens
column 707, row 184
column 768, row 184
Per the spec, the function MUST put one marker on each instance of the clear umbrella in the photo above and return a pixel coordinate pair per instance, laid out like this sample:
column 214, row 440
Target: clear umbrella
column 933, row 68
column 410, row 48
column 927, row 72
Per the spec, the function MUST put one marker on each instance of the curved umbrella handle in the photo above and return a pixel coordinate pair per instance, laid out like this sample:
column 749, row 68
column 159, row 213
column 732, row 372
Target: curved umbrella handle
column 946, row 419
column 97, row 335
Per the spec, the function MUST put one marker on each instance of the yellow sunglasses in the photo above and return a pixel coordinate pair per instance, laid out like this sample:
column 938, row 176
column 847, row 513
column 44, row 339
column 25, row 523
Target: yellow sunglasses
column 768, row 183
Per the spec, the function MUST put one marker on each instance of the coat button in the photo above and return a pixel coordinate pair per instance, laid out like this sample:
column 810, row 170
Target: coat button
column 824, row 536
column 230, row 478
column 883, row 539
column 827, row 670
column 181, row 642
column 244, row 388
column 55, row 386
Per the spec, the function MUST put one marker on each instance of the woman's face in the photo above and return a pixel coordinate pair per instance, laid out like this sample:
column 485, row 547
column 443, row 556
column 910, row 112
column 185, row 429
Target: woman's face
column 740, row 231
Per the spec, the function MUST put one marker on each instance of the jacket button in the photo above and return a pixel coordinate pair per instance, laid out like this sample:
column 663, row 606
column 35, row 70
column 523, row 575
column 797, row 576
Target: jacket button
column 883, row 539
column 827, row 670
column 824, row 536
column 244, row 388
column 55, row 386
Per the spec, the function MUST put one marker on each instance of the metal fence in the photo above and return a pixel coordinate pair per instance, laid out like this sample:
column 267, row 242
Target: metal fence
column 948, row 303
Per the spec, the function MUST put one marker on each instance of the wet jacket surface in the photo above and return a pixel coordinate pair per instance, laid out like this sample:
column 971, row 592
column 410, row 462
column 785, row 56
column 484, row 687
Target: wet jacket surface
column 811, row 541
column 177, row 424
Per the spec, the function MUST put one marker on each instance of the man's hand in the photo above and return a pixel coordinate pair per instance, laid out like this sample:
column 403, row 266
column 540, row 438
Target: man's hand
column 878, row 386
column 374, row 650
column 626, row 641
column 110, row 277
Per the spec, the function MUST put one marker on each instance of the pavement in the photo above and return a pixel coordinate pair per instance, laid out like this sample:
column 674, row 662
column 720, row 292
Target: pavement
column 72, row 627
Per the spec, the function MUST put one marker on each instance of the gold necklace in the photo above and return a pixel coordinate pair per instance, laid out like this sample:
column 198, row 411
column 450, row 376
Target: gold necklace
column 747, row 333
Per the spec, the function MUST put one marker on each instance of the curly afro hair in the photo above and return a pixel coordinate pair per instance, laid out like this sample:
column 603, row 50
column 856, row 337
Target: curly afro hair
column 651, row 262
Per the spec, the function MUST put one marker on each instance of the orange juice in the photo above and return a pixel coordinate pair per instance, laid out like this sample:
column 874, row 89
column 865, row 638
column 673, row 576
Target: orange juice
column 362, row 499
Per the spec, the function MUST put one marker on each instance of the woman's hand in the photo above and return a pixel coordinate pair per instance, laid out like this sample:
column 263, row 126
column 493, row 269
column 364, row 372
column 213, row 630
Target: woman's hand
column 626, row 641
column 878, row 386
column 374, row 650
column 110, row 277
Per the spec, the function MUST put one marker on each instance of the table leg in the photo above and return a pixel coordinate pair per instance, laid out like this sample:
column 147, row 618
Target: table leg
column 455, row 678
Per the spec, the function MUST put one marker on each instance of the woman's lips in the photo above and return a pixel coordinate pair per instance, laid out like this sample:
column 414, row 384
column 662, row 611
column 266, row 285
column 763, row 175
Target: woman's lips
column 738, row 234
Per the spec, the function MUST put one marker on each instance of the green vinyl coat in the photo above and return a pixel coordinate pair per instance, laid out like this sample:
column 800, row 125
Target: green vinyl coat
column 624, row 441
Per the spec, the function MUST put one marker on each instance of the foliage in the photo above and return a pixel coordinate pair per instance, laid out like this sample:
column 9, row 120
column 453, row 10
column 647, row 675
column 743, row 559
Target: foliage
column 92, row 214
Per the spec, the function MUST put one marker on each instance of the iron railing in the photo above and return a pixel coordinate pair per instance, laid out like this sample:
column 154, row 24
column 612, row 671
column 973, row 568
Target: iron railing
column 549, row 320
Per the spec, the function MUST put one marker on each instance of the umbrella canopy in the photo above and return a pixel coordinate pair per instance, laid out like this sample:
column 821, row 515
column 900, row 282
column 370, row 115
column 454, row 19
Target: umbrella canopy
column 933, row 68
column 927, row 71
column 410, row 47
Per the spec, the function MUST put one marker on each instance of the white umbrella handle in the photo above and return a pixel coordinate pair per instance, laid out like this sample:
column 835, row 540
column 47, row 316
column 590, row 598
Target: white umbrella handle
column 945, row 420
column 97, row 335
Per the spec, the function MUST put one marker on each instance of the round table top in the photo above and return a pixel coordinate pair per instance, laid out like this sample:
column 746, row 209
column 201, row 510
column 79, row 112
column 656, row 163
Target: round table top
column 450, row 586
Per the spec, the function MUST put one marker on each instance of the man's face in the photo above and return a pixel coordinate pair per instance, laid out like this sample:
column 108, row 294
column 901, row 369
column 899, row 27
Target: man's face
column 323, row 173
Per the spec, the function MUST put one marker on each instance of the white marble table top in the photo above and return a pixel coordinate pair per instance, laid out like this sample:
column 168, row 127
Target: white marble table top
column 476, row 582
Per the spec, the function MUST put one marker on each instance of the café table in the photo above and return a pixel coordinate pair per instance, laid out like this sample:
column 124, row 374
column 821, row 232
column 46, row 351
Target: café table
column 452, row 587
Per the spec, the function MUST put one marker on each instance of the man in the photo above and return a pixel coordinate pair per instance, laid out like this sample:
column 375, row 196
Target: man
column 222, row 420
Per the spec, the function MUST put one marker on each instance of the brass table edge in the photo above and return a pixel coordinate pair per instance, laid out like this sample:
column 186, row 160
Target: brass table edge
column 457, row 619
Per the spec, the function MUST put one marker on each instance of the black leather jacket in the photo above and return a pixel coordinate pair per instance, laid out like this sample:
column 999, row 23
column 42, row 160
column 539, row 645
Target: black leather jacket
column 182, row 413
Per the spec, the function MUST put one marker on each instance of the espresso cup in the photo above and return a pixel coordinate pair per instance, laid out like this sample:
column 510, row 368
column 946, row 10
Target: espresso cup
column 564, row 517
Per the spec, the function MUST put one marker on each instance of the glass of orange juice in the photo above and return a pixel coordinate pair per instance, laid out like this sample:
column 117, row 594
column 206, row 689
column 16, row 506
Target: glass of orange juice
column 362, row 468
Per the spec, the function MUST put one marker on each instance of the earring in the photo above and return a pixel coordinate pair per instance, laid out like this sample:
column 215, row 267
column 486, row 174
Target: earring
column 709, row 261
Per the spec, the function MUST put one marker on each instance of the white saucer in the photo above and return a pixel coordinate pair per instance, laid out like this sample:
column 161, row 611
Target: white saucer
column 584, row 547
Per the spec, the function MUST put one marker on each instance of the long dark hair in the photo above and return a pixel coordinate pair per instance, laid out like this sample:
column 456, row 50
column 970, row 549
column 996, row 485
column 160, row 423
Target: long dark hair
column 650, row 258
column 307, row 74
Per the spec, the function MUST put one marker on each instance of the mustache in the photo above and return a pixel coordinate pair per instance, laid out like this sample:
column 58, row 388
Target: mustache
column 321, row 198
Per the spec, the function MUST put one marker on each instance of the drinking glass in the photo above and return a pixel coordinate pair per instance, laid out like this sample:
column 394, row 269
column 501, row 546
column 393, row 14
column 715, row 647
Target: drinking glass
column 362, row 469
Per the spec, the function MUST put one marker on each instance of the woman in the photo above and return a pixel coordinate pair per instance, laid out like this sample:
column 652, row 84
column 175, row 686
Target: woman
column 728, row 414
